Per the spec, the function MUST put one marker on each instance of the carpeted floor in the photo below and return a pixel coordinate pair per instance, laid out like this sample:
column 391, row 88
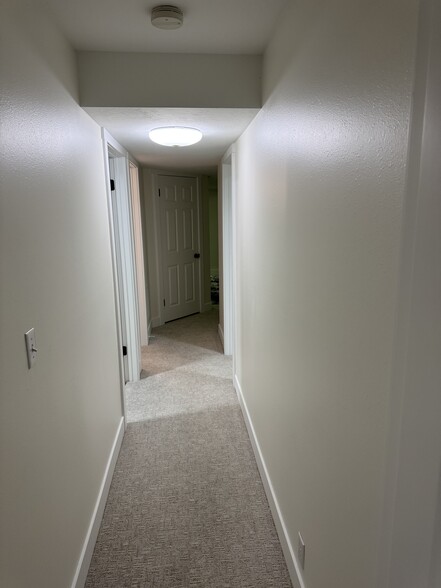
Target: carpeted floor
column 186, row 507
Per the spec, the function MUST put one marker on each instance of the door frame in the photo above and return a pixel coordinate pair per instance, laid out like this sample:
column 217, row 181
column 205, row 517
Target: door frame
column 138, row 244
column 112, row 149
column 158, row 235
column 228, row 171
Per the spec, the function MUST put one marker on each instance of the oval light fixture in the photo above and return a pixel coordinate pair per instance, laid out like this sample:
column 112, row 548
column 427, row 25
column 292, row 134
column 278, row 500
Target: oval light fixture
column 175, row 136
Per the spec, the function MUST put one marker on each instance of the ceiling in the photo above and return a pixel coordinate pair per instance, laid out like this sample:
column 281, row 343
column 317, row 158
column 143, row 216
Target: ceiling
column 210, row 26
column 131, row 126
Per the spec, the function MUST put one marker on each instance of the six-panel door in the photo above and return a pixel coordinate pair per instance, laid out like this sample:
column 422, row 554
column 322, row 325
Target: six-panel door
column 178, row 207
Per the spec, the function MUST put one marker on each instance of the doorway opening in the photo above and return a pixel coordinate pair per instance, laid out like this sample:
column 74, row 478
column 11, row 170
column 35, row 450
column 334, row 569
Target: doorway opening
column 123, row 256
column 181, row 227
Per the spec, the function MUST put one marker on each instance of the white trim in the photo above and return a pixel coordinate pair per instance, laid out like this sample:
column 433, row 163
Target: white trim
column 285, row 542
column 113, row 143
column 95, row 522
column 106, row 143
column 228, row 167
column 128, row 263
column 130, row 298
column 221, row 334
column 149, row 328
column 234, row 296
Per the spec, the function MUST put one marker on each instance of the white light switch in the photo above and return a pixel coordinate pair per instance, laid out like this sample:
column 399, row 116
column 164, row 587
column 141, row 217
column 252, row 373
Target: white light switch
column 31, row 347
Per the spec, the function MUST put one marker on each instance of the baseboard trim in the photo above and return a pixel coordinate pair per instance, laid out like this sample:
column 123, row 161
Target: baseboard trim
column 285, row 542
column 221, row 334
column 95, row 522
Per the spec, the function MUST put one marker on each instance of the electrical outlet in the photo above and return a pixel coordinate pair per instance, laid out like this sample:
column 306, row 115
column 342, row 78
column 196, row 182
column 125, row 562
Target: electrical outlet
column 301, row 552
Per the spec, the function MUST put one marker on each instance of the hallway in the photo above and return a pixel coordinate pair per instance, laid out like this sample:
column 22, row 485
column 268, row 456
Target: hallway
column 186, row 505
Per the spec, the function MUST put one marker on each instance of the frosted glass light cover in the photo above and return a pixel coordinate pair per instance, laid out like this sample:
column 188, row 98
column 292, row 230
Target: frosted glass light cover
column 175, row 136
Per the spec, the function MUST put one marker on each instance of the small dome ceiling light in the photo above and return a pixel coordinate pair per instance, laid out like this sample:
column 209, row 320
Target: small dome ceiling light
column 175, row 136
column 167, row 17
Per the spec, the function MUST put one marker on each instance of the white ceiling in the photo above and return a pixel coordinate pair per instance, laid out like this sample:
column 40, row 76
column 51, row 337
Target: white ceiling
column 131, row 126
column 210, row 26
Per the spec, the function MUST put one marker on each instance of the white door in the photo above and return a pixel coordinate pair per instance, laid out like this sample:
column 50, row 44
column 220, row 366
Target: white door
column 119, row 270
column 179, row 215
column 139, row 254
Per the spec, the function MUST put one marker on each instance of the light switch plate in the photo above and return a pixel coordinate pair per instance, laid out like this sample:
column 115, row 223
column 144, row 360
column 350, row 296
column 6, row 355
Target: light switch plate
column 31, row 347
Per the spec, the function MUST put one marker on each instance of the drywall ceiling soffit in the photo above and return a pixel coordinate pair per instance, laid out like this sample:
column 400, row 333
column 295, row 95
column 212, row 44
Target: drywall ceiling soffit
column 131, row 126
column 210, row 26
column 170, row 80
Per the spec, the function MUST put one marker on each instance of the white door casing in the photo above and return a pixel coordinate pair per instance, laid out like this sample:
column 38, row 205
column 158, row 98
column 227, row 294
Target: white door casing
column 229, row 246
column 119, row 268
column 121, row 231
column 180, row 246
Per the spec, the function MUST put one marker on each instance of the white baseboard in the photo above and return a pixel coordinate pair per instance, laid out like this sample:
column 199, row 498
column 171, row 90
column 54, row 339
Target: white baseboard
column 285, row 542
column 221, row 334
column 95, row 522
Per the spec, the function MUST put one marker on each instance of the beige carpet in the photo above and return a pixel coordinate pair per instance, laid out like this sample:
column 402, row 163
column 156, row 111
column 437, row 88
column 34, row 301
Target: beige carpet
column 186, row 506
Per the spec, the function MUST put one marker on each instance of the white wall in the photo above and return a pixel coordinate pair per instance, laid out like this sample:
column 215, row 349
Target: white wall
column 170, row 80
column 412, row 514
column 321, row 177
column 58, row 420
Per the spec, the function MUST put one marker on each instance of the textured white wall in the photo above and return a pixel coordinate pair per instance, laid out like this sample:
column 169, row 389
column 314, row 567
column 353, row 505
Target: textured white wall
column 413, row 508
column 321, row 181
column 170, row 80
column 58, row 420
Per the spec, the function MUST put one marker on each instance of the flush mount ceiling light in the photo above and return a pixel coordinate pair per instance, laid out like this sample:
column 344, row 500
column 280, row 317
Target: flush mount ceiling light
column 175, row 136
column 167, row 17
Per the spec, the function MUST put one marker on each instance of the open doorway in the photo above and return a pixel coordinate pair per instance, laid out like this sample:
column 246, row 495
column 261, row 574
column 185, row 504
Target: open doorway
column 181, row 217
column 213, row 238
column 123, row 255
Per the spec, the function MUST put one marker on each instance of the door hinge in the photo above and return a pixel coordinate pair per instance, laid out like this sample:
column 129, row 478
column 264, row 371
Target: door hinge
column 124, row 350
column 112, row 185
column 164, row 301
column 159, row 192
